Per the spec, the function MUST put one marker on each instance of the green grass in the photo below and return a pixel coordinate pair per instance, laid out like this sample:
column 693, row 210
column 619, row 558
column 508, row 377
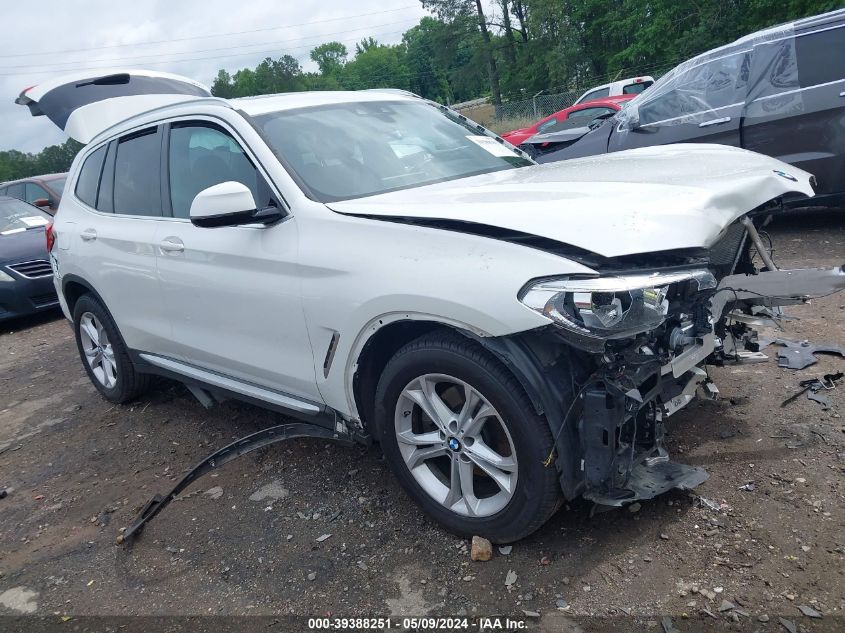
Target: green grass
column 501, row 126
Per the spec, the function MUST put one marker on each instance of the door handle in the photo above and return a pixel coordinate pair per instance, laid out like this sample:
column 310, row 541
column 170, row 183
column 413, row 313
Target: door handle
column 171, row 245
column 88, row 235
column 724, row 119
column 842, row 94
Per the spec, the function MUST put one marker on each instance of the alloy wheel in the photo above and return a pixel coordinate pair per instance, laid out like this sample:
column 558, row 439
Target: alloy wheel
column 456, row 445
column 98, row 350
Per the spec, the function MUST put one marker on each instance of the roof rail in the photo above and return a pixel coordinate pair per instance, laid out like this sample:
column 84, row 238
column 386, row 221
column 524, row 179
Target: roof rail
column 395, row 91
column 197, row 100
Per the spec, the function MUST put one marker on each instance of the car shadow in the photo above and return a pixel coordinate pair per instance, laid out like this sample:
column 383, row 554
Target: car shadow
column 24, row 323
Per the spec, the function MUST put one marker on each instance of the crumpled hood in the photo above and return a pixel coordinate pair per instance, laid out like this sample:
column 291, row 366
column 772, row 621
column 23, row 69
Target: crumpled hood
column 637, row 201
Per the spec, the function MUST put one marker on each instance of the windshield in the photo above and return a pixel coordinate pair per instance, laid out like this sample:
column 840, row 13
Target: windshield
column 350, row 150
column 57, row 185
column 17, row 216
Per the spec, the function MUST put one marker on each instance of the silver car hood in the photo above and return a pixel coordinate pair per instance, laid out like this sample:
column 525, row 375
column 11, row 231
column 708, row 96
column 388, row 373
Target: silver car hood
column 638, row 201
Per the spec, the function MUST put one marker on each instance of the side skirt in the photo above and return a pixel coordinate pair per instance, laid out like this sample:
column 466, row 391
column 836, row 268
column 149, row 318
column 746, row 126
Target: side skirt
column 222, row 388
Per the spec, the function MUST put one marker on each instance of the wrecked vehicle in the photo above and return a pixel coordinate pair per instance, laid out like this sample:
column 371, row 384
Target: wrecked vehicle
column 384, row 269
column 583, row 112
column 561, row 137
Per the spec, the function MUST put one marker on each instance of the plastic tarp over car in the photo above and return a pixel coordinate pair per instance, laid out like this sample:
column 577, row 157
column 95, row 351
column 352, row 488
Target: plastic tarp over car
column 759, row 70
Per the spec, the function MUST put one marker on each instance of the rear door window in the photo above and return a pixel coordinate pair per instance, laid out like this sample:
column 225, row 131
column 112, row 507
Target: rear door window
column 89, row 177
column 137, row 174
column 821, row 57
column 774, row 70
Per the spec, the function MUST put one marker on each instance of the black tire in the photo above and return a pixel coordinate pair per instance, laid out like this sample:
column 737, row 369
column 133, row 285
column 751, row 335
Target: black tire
column 129, row 383
column 537, row 491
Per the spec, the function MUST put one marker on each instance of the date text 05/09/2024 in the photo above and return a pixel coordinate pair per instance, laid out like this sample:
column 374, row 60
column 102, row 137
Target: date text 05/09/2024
column 435, row 624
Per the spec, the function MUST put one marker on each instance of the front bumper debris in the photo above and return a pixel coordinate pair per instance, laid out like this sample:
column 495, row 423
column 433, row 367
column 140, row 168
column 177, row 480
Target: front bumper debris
column 622, row 424
column 622, row 429
column 647, row 481
column 778, row 287
column 259, row 439
column 801, row 354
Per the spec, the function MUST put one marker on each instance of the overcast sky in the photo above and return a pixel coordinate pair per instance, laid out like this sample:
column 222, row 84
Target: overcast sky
column 51, row 38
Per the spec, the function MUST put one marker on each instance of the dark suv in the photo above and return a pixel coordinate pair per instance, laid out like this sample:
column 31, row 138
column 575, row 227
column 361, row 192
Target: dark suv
column 42, row 191
column 780, row 91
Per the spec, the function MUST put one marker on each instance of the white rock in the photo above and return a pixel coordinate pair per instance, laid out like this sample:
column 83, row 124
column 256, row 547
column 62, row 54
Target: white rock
column 214, row 493
column 20, row 599
column 273, row 490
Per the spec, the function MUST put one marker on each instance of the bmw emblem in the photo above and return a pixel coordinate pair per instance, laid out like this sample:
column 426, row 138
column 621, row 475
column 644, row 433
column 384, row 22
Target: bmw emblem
column 783, row 174
column 454, row 444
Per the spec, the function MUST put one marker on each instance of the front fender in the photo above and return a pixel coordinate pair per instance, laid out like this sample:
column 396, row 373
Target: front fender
column 346, row 357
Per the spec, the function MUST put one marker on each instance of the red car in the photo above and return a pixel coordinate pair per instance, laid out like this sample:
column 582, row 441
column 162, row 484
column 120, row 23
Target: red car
column 588, row 110
column 42, row 191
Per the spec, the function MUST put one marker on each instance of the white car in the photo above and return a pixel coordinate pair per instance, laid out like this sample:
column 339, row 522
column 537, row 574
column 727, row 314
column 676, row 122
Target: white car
column 630, row 86
column 377, row 265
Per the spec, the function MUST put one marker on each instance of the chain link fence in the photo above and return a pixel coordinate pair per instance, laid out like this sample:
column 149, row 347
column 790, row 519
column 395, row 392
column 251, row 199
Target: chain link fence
column 516, row 113
column 538, row 106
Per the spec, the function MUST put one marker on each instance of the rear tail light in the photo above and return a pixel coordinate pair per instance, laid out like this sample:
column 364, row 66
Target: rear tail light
column 50, row 234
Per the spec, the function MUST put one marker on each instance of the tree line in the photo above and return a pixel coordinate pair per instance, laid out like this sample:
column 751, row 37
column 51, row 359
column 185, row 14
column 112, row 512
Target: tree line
column 504, row 49
column 50, row 160
column 465, row 50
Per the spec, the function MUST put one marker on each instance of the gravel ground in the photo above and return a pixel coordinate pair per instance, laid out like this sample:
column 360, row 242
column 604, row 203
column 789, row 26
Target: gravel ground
column 247, row 539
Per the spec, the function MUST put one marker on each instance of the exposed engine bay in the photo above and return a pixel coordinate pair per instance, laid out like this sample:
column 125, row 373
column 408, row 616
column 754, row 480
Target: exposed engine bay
column 627, row 381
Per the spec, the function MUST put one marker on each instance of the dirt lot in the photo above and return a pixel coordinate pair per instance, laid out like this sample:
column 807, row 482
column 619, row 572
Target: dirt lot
column 78, row 468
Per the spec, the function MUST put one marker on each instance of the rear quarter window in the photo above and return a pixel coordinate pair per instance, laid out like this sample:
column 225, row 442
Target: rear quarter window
column 89, row 177
column 15, row 191
column 821, row 57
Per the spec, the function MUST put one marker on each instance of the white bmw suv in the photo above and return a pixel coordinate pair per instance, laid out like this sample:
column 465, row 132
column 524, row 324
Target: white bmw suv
column 372, row 263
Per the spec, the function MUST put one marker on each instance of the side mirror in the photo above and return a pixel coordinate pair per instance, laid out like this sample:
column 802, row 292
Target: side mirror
column 42, row 202
column 230, row 204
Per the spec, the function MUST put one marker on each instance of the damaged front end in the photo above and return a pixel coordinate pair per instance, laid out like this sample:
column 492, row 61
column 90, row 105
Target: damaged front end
column 629, row 349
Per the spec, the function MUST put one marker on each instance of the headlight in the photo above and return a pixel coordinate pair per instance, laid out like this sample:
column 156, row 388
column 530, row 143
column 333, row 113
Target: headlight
column 609, row 307
column 5, row 277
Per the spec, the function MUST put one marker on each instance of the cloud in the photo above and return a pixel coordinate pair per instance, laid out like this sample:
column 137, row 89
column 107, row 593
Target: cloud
column 48, row 42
